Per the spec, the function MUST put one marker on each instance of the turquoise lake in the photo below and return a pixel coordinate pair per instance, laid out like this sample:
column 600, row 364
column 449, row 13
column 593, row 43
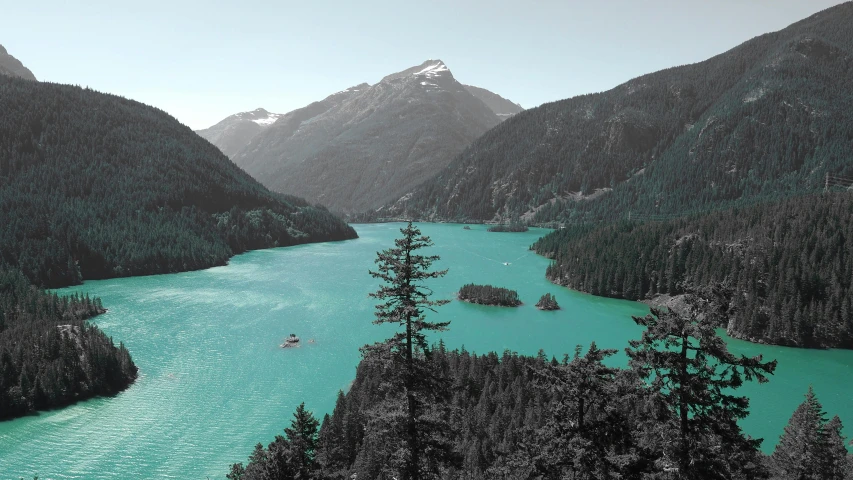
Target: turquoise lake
column 214, row 382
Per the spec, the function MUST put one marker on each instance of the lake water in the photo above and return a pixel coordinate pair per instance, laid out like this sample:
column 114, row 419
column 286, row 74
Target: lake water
column 214, row 382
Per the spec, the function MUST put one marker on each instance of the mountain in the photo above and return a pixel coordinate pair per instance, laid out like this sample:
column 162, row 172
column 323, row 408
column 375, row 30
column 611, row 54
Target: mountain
column 98, row 186
column 13, row 67
column 292, row 121
column 234, row 132
column 769, row 118
column 363, row 147
column 502, row 107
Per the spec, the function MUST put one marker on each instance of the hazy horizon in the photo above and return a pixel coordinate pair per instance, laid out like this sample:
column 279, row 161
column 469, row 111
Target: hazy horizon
column 202, row 62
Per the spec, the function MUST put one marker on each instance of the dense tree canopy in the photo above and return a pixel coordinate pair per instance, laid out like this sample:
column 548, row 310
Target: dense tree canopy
column 789, row 262
column 525, row 418
column 49, row 355
column 97, row 186
column 489, row 295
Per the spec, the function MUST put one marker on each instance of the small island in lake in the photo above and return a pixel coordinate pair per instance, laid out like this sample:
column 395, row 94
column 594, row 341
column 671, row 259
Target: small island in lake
column 291, row 341
column 547, row 302
column 512, row 227
column 489, row 295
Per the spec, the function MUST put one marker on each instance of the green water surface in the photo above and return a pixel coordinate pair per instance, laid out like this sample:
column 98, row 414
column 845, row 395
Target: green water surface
column 213, row 380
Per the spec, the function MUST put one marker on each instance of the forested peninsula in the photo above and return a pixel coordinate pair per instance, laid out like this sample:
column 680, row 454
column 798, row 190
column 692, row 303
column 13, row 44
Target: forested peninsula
column 97, row 186
column 49, row 355
column 787, row 263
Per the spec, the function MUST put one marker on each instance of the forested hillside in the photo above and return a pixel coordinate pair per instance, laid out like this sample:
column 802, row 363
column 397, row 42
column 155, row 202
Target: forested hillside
column 788, row 263
column 769, row 118
column 529, row 418
column 97, row 186
column 49, row 355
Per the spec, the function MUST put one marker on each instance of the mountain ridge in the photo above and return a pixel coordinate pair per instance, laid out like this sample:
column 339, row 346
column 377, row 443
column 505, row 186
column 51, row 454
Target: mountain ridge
column 676, row 140
column 361, row 147
column 11, row 66
column 235, row 131
column 502, row 107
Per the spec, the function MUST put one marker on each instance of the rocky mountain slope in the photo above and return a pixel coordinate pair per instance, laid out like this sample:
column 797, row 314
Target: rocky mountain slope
column 363, row 147
column 769, row 118
column 502, row 107
column 234, row 132
column 13, row 67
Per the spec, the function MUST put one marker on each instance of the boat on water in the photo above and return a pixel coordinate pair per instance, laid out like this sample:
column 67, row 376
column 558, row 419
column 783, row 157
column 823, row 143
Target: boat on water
column 291, row 341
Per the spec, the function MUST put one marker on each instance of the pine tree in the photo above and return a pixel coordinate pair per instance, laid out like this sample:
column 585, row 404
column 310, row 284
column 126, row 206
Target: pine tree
column 691, row 373
column 811, row 447
column 404, row 298
column 302, row 436
column 838, row 464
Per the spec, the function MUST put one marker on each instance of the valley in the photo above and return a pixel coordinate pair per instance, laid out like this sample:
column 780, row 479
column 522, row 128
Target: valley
column 676, row 250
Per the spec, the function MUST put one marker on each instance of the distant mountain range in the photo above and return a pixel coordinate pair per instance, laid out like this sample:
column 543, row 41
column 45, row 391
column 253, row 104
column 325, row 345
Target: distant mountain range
column 236, row 131
column 13, row 67
column 767, row 119
column 367, row 145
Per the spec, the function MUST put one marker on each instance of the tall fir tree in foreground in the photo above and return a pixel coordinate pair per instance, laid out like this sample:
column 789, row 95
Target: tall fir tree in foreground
column 404, row 298
column 691, row 376
column 811, row 447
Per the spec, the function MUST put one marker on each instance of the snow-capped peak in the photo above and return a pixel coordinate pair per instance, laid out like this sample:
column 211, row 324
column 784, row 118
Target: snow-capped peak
column 433, row 68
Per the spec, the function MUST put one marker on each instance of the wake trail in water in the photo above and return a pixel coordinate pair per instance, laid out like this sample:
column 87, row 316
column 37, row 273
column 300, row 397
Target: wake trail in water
column 489, row 258
column 476, row 254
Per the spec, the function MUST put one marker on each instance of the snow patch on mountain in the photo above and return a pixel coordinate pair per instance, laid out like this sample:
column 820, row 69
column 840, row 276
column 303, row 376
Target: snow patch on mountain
column 268, row 120
column 433, row 70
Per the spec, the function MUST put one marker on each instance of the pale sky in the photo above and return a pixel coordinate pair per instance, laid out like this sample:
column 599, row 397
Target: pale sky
column 204, row 60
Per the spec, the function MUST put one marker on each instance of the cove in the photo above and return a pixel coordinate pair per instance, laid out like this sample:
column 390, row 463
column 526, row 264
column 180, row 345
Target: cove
column 213, row 380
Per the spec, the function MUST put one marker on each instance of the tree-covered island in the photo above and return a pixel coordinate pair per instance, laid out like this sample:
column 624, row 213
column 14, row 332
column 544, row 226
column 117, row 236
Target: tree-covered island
column 489, row 295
